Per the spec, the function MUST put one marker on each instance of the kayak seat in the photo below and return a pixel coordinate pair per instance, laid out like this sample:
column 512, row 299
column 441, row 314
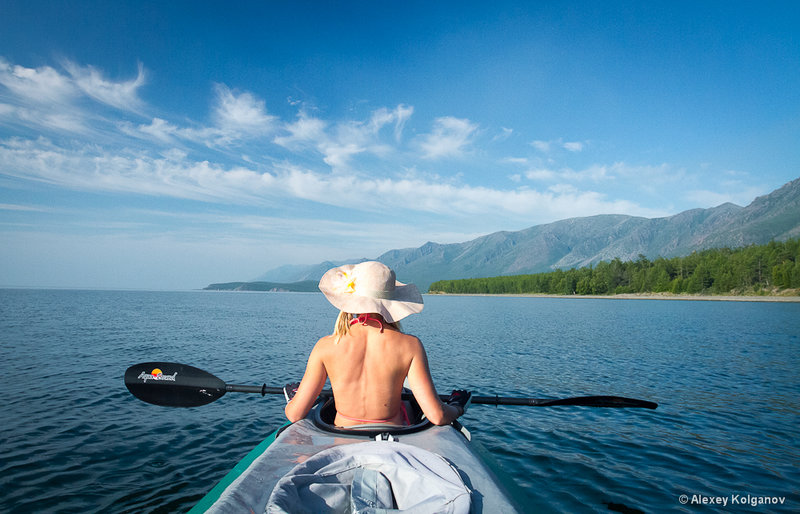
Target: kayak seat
column 324, row 414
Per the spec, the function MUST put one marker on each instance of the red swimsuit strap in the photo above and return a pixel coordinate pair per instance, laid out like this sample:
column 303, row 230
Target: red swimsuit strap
column 364, row 318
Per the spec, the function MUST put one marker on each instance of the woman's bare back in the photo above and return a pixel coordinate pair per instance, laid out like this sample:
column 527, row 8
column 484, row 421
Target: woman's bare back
column 367, row 368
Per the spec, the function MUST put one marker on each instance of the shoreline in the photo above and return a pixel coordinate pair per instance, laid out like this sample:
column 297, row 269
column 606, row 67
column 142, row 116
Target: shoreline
column 641, row 296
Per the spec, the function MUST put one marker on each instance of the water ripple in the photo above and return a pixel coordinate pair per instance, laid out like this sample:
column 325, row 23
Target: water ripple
column 724, row 374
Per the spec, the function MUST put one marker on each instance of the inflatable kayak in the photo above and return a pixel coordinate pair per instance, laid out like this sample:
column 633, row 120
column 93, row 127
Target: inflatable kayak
column 312, row 466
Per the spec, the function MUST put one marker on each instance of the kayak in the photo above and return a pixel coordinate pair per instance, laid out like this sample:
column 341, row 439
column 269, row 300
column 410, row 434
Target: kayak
column 313, row 466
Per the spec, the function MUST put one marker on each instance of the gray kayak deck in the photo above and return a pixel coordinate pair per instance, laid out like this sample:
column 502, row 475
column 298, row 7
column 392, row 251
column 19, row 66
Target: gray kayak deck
column 249, row 485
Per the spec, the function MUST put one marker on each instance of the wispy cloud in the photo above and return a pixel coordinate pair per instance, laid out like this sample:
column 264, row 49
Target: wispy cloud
column 397, row 116
column 450, row 138
column 43, row 85
column 542, row 146
column 16, row 207
column 48, row 100
column 237, row 116
column 338, row 142
column 177, row 176
column 242, row 113
column 542, row 174
column 551, row 145
column 248, row 156
column 66, row 120
column 597, row 173
column 594, row 173
column 121, row 95
column 504, row 134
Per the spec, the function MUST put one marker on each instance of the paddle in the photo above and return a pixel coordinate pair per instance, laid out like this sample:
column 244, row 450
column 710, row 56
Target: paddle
column 179, row 385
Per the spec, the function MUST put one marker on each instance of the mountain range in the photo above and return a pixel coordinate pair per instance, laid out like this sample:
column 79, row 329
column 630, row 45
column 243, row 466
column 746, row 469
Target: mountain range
column 578, row 242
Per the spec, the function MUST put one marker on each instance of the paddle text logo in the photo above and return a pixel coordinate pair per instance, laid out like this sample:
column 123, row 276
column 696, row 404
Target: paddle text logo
column 157, row 374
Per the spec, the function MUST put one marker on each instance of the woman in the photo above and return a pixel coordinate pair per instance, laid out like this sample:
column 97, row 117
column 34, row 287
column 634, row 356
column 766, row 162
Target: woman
column 367, row 358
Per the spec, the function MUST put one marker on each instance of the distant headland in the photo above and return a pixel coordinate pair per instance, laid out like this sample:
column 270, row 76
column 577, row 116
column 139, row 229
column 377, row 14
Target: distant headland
column 306, row 286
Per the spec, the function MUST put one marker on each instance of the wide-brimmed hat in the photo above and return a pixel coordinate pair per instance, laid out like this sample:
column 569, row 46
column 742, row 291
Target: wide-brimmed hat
column 370, row 287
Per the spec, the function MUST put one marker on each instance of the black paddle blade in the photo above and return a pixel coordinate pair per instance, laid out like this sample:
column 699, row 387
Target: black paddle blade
column 582, row 401
column 601, row 401
column 173, row 385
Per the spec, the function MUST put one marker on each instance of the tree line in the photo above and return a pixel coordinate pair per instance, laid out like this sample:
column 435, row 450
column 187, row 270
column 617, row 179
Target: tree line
column 748, row 270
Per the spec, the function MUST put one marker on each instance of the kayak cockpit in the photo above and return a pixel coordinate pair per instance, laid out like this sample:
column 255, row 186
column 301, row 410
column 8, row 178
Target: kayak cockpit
column 323, row 416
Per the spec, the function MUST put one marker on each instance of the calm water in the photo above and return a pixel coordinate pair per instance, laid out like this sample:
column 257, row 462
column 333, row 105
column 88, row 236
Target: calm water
column 725, row 375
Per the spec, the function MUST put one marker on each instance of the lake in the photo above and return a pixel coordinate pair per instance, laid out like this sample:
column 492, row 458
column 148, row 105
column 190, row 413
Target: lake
column 725, row 375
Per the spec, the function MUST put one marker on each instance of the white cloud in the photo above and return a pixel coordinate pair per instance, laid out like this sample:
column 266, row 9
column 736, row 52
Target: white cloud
column 336, row 148
column 242, row 113
column 92, row 169
column 504, row 134
column 644, row 175
column 159, row 129
column 547, row 146
column 175, row 175
column 306, row 129
column 542, row 146
column 16, row 207
column 339, row 142
column 42, row 85
column 338, row 155
column 120, row 95
column 46, row 100
column 64, row 120
column 592, row 173
column 450, row 138
column 164, row 132
column 541, row 174
column 399, row 116
column 237, row 117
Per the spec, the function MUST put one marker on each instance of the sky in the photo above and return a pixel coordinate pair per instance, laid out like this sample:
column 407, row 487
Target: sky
column 169, row 145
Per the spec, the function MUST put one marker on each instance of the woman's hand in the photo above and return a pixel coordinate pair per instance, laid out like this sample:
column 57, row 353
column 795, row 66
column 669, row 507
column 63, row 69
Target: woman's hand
column 289, row 390
column 460, row 398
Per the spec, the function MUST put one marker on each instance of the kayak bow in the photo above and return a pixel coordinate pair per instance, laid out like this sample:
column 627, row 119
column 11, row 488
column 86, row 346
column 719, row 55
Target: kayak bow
column 271, row 478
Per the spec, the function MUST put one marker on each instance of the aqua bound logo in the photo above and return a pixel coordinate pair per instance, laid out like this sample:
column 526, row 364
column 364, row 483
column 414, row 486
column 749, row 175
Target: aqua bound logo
column 157, row 374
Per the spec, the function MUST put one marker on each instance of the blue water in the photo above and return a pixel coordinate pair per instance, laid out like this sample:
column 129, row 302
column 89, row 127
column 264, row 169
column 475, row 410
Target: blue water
column 724, row 373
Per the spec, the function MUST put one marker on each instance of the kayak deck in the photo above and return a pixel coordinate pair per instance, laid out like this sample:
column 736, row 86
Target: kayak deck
column 247, row 488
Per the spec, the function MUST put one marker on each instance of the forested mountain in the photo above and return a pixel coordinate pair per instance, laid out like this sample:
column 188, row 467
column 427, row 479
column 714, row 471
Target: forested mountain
column 579, row 242
column 773, row 268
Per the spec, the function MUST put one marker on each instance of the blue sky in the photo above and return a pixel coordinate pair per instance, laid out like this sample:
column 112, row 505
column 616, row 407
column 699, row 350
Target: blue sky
column 168, row 145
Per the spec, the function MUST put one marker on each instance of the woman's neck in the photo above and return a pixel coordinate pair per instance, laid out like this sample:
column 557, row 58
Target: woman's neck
column 369, row 320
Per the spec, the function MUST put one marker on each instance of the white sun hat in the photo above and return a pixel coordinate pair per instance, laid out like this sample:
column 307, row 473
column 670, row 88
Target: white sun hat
column 370, row 287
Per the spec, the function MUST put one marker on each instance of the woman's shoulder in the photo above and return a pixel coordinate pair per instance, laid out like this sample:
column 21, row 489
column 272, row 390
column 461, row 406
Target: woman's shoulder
column 324, row 344
column 407, row 340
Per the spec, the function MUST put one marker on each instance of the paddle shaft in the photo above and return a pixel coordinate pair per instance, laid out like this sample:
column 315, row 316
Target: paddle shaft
column 587, row 401
column 180, row 385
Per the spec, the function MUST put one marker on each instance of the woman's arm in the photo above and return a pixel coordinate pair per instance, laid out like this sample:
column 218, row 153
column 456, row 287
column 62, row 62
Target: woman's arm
column 310, row 387
column 421, row 383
